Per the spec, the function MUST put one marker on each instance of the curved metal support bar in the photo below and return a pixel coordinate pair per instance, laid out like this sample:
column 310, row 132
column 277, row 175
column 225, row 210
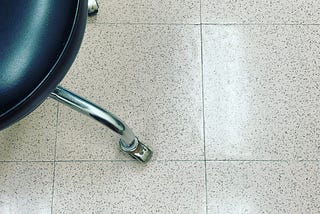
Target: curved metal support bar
column 128, row 142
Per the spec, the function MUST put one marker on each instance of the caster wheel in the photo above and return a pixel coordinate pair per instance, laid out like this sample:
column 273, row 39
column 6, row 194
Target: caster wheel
column 93, row 7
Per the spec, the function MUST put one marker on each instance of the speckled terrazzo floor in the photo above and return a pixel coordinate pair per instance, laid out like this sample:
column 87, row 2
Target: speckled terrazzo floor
column 227, row 93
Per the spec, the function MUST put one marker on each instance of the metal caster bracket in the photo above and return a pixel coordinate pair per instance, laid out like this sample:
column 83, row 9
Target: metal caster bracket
column 93, row 7
column 129, row 143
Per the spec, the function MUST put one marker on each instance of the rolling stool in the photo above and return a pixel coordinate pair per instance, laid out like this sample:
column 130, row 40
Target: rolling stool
column 39, row 40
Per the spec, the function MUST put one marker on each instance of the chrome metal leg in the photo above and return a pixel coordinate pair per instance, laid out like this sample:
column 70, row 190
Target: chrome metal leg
column 93, row 7
column 129, row 143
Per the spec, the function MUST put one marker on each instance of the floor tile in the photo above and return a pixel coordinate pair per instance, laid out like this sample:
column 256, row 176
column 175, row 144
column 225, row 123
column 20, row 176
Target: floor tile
column 26, row 187
column 307, row 184
column 260, row 12
column 32, row 138
column 306, row 12
column 262, row 187
column 151, row 11
column 123, row 187
column 261, row 92
column 150, row 76
column 305, row 67
column 246, row 11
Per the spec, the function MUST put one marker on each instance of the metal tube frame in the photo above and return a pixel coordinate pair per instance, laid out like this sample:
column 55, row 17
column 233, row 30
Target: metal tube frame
column 129, row 143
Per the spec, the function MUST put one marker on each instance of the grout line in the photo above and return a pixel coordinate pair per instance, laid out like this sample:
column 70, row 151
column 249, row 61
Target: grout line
column 260, row 24
column 291, row 161
column 155, row 161
column 142, row 23
column 54, row 156
column 200, row 11
column 126, row 161
column 203, row 121
column 53, row 180
column 26, row 161
column 203, row 109
column 207, row 23
column 57, row 124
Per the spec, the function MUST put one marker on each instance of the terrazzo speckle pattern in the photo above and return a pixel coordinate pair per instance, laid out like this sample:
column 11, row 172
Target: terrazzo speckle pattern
column 25, row 187
column 263, row 187
column 306, row 12
column 226, row 93
column 119, row 187
column 149, row 11
column 153, row 74
column 33, row 138
column 247, row 11
column 260, row 12
column 264, row 105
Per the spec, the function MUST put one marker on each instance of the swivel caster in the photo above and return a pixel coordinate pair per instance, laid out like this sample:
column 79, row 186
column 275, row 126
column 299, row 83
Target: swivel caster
column 93, row 7
column 137, row 150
